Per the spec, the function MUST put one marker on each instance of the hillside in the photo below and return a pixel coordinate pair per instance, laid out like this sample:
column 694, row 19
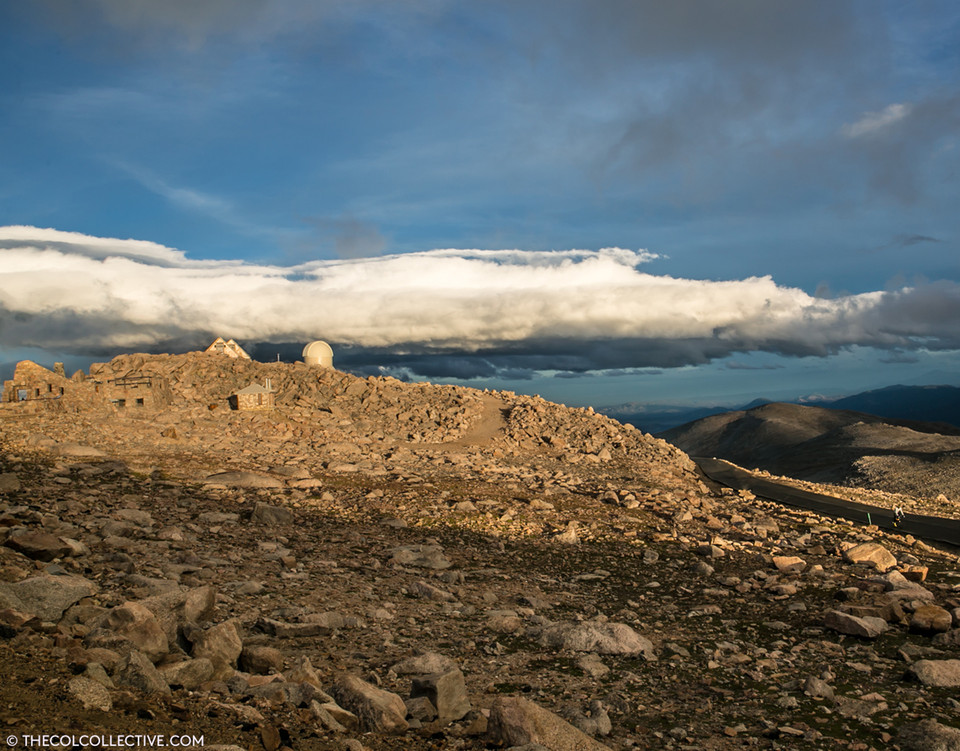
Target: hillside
column 936, row 406
column 377, row 565
column 830, row 445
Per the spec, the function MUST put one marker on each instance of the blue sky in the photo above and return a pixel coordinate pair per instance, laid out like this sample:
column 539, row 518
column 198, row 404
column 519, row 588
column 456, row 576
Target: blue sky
column 336, row 145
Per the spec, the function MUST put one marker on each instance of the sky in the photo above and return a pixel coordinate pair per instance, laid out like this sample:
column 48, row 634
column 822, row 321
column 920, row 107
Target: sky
column 600, row 202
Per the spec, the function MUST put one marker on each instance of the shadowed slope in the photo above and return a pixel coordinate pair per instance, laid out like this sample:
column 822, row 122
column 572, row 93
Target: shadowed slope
column 822, row 445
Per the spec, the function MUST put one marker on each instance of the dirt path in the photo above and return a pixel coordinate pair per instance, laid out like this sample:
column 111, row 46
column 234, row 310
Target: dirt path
column 491, row 423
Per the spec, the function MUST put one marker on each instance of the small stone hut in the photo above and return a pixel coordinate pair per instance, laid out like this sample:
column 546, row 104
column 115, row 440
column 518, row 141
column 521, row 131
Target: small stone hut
column 254, row 396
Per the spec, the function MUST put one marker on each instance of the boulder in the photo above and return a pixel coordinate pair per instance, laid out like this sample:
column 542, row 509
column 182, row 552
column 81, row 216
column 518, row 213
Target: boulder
column 188, row 674
column 136, row 671
column 78, row 451
column 519, row 722
column 423, row 556
column 302, row 671
column 90, row 693
column 333, row 717
column 931, row 619
column 377, row 710
column 428, row 662
column 789, row 564
column 179, row 607
column 39, row 546
column 940, row 673
column 928, row 735
column 46, row 596
column 868, row 627
column 601, row 638
column 221, row 644
column 871, row 553
column 244, row 480
column 447, row 692
column 138, row 625
column 9, row 482
column 261, row 660
column 270, row 516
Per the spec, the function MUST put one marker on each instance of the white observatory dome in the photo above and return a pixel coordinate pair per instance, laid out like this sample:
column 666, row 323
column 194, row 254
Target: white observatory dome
column 319, row 354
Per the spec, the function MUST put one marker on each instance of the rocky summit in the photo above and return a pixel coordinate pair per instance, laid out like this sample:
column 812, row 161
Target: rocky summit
column 370, row 564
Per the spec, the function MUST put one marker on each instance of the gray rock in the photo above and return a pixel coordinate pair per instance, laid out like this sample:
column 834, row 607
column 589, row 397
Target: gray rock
column 871, row 553
column 328, row 719
column 602, row 638
column 302, row 671
column 261, row 660
column 222, row 645
column 518, row 722
column 867, row 627
column 137, row 516
column 270, row 516
column 430, row 592
column 9, row 482
column 377, row 710
column 96, row 672
column 948, row 638
column 931, row 619
column 90, row 693
column 420, row 708
column 818, row 688
column 188, row 674
column 244, row 480
column 78, row 451
column 928, row 735
column 422, row 556
column 138, row 625
column 39, row 546
column 46, row 596
column 941, row 673
column 218, row 517
column 136, row 671
column 428, row 662
column 900, row 588
column 178, row 607
column 447, row 692
column 596, row 722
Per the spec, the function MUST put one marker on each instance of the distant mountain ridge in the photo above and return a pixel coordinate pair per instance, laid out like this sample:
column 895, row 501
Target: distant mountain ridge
column 936, row 404
column 930, row 404
column 830, row 445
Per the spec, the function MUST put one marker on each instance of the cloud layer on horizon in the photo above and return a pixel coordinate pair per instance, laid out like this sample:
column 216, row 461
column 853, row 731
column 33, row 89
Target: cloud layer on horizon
column 454, row 313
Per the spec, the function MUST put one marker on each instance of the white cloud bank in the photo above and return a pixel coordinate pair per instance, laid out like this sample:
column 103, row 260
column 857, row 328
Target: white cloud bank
column 570, row 310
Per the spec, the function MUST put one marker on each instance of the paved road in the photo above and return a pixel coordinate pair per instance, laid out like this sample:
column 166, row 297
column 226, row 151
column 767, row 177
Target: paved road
column 927, row 527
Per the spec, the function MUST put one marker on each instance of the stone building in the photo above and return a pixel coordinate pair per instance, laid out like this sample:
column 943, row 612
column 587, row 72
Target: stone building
column 254, row 396
column 33, row 387
column 229, row 348
column 134, row 391
column 34, row 383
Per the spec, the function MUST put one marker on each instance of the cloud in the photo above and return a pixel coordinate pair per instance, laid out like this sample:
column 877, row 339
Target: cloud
column 441, row 313
column 737, row 365
column 871, row 122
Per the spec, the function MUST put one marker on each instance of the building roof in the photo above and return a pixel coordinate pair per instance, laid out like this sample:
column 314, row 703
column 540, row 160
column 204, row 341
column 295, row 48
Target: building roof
column 229, row 348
